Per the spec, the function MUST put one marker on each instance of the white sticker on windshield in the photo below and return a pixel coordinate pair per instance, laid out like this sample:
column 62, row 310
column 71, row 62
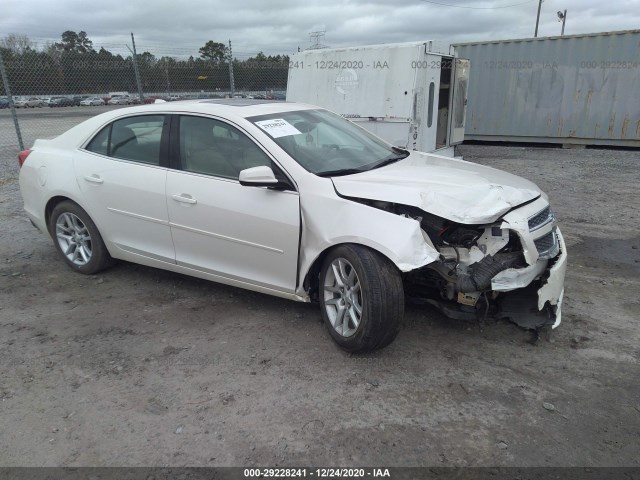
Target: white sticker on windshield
column 277, row 127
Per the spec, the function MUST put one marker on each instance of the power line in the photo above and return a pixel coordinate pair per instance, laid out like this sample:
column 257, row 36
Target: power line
column 476, row 8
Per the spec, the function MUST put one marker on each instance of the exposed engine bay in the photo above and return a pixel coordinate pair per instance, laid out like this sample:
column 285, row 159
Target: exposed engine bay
column 486, row 270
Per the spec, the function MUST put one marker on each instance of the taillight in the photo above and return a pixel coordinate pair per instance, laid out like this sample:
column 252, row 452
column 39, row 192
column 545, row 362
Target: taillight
column 22, row 156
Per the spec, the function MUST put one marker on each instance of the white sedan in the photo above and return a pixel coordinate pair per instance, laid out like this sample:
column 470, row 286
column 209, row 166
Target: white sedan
column 32, row 102
column 294, row 201
column 120, row 100
column 91, row 102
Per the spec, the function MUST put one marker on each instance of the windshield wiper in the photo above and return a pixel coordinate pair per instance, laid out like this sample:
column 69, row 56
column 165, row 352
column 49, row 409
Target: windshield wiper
column 382, row 163
column 342, row 171
column 388, row 161
column 400, row 150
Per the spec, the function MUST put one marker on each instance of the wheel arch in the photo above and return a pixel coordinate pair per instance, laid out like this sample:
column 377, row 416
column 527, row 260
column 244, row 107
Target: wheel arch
column 55, row 200
column 51, row 204
column 87, row 244
column 311, row 278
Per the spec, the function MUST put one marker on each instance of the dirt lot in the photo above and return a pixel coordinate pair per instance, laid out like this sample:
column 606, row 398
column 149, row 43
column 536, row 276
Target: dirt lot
column 138, row 366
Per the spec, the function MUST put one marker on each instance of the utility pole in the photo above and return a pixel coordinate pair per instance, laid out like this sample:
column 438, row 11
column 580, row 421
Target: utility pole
column 538, row 17
column 166, row 72
column 7, row 89
column 564, row 19
column 135, row 67
column 231, row 81
column 315, row 37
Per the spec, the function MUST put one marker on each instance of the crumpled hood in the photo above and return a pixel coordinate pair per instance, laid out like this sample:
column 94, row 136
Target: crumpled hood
column 454, row 189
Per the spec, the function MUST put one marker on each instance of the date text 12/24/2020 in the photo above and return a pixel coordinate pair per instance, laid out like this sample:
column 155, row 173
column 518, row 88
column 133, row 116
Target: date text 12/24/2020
column 340, row 65
column 316, row 472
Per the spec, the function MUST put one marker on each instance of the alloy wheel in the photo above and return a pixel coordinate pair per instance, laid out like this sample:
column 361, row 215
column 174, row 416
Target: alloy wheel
column 343, row 297
column 74, row 239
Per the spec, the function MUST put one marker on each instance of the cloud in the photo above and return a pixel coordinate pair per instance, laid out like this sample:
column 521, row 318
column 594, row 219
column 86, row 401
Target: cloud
column 281, row 26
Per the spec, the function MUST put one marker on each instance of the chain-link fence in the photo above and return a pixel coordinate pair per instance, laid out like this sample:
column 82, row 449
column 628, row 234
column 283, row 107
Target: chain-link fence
column 45, row 91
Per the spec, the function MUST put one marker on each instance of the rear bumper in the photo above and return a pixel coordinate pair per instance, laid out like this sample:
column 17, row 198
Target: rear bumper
column 37, row 223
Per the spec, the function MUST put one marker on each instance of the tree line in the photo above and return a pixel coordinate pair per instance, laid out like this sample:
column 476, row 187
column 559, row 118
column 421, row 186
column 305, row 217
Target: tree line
column 74, row 66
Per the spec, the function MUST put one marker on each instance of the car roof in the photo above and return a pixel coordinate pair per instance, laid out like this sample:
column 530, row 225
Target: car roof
column 229, row 107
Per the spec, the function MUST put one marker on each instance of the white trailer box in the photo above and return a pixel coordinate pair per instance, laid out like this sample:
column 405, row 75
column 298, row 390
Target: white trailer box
column 412, row 95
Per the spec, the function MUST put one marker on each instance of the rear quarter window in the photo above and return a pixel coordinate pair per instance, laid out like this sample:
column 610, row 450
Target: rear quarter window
column 100, row 143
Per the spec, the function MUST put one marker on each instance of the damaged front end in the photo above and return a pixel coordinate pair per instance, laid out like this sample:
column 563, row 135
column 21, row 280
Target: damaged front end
column 512, row 269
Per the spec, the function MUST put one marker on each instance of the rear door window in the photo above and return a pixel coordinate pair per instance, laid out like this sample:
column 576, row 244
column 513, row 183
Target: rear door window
column 133, row 138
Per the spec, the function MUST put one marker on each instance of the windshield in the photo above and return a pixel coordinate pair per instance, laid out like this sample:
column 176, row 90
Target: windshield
column 325, row 143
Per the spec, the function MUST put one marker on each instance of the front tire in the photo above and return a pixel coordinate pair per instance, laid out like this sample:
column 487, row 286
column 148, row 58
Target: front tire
column 77, row 239
column 361, row 298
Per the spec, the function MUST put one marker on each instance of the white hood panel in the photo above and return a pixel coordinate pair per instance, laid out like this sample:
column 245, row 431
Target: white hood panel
column 454, row 189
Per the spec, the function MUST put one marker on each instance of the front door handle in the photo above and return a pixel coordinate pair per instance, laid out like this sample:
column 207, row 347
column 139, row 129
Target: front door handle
column 184, row 198
column 93, row 178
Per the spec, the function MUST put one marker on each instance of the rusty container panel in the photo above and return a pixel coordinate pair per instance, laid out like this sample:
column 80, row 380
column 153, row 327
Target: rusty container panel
column 582, row 89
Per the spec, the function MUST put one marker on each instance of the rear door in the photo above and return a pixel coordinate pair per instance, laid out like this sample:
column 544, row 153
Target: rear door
column 123, row 182
column 458, row 106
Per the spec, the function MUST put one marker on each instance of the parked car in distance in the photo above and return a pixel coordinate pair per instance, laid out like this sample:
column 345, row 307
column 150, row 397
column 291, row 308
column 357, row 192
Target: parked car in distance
column 61, row 102
column 92, row 101
column 20, row 102
column 291, row 200
column 4, row 103
column 34, row 102
column 77, row 99
column 120, row 100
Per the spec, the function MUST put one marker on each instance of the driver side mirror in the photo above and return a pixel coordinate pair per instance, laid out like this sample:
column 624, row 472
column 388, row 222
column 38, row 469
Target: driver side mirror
column 261, row 176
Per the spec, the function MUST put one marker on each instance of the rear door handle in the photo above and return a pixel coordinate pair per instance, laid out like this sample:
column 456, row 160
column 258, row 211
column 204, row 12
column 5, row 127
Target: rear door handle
column 184, row 198
column 93, row 178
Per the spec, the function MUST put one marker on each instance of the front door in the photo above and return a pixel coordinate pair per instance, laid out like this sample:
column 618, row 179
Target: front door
column 249, row 234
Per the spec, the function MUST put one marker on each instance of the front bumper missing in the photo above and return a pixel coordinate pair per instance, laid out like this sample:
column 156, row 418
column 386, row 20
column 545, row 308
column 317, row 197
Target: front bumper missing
column 553, row 290
column 530, row 297
column 533, row 306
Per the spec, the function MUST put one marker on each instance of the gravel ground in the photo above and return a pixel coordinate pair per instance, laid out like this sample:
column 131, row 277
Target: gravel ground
column 138, row 366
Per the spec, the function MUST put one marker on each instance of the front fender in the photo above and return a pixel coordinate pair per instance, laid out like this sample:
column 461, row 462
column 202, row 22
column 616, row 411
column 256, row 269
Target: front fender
column 329, row 220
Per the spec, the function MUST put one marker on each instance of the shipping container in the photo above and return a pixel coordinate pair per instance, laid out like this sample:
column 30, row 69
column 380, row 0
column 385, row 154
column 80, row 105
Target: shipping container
column 576, row 89
column 412, row 95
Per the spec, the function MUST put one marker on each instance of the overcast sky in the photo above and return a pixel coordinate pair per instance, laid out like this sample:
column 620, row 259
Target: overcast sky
column 279, row 26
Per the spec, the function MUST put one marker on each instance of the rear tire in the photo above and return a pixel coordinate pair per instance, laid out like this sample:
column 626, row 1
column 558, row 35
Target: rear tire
column 77, row 239
column 361, row 298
